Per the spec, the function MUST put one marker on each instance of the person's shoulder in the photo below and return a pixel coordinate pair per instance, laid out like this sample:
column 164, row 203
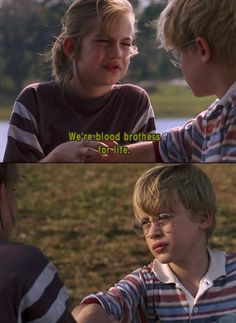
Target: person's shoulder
column 22, row 264
column 230, row 264
column 21, row 254
column 145, row 272
column 232, row 99
column 132, row 89
column 39, row 87
column 231, row 258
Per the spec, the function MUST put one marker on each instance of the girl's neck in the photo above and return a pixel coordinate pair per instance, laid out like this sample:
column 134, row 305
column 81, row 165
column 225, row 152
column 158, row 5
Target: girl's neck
column 85, row 92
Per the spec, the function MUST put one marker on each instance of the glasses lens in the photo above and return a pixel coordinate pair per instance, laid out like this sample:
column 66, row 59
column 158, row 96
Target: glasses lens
column 138, row 228
column 174, row 57
column 163, row 220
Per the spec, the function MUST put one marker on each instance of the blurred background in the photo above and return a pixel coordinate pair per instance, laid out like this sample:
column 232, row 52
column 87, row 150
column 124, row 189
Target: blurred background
column 80, row 216
column 29, row 27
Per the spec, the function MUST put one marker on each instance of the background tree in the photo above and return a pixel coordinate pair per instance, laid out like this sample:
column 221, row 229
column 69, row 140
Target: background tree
column 151, row 63
column 28, row 28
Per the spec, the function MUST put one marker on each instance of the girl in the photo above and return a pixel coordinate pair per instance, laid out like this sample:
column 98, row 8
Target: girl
column 89, row 57
column 30, row 289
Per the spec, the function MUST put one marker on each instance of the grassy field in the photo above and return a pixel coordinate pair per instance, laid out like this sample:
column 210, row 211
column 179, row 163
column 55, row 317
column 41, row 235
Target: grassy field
column 173, row 101
column 80, row 217
column 5, row 113
column 168, row 100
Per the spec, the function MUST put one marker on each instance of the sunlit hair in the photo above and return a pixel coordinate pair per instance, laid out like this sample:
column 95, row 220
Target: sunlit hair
column 184, row 20
column 158, row 188
column 8, row 178
column 79, row 20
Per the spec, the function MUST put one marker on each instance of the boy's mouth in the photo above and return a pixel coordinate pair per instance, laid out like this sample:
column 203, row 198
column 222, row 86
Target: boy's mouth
column 159, row 247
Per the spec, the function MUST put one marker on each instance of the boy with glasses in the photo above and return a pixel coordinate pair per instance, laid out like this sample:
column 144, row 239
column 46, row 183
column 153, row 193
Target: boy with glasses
column 199, row 37
column 175, row 209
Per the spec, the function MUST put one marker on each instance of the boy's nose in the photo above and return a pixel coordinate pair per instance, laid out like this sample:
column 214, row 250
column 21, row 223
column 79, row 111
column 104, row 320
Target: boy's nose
column 154, row 230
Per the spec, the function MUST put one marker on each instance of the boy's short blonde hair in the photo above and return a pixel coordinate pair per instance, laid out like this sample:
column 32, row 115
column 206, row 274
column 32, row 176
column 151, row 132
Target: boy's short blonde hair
column 79, row 20
column 157, row 189
column 215, row 20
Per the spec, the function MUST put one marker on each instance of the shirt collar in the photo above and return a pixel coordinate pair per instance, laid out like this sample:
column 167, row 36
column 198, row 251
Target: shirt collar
column 216, row 268
column 225, row 98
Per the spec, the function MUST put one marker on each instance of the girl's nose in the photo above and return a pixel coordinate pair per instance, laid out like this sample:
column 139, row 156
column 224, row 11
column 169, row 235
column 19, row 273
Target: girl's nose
column 115, row 51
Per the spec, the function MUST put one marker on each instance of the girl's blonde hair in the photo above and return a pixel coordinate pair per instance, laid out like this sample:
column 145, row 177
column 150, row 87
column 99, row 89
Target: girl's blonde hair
column 184, row 20
column 157, row 189
column 78, row 21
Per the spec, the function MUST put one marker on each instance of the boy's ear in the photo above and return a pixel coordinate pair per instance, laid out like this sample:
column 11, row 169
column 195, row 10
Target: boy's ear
column 205, row 221
column 69, row 46
column 204, row 49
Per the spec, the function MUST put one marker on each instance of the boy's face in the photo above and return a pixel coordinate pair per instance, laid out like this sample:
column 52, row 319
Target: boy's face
column 182, row 241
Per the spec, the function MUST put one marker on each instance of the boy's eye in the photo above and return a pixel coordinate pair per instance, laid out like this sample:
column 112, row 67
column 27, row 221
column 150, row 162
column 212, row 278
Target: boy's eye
column 163, row 216
column 144, row 221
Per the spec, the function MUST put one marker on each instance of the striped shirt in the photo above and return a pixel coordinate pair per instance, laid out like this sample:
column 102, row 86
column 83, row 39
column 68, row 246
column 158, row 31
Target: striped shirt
column 43, row 117
column 30, row 288
column 151, row 294
column 210, row 137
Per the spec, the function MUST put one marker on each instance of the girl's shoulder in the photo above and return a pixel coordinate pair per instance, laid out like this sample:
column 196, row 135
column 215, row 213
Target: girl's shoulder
column 41, row 87
column 17, row 254
column 131, row 88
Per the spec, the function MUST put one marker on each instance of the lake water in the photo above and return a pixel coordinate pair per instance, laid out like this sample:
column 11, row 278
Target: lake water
column 162, row 124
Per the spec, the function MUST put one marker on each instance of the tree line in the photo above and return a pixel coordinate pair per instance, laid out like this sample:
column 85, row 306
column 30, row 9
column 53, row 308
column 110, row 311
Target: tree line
column 29, row 27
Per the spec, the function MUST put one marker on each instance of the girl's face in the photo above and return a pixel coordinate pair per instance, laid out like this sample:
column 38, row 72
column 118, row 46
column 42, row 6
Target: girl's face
column 104, row 59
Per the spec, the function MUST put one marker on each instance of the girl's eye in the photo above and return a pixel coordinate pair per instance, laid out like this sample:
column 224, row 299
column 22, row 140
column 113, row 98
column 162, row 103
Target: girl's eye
column 126, row 44
column 102, row 41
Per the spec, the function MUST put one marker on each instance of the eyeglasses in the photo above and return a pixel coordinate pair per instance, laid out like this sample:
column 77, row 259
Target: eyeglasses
column 164, row 220
column 174, row 54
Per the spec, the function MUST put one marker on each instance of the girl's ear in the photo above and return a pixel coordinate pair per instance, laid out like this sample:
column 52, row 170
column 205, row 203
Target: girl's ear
column 69, row 46
column 205, row 221
column 204, row 49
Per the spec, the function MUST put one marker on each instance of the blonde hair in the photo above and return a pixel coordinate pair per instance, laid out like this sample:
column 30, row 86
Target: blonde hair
column 156, row 189
column 184, row 20
column 78, row 21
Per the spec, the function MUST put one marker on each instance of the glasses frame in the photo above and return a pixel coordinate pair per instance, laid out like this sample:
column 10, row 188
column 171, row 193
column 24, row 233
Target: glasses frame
column 174, row 55
column 139, row 229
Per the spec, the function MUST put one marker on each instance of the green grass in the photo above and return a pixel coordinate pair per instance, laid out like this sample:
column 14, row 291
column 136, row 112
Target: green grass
column 5, row 113
column 80, row 215
column 177, row 101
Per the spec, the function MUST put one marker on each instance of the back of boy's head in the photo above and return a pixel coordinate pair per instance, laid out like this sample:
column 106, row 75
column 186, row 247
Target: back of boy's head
column 158, row 188
column 215, row 20
column 79, row 20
